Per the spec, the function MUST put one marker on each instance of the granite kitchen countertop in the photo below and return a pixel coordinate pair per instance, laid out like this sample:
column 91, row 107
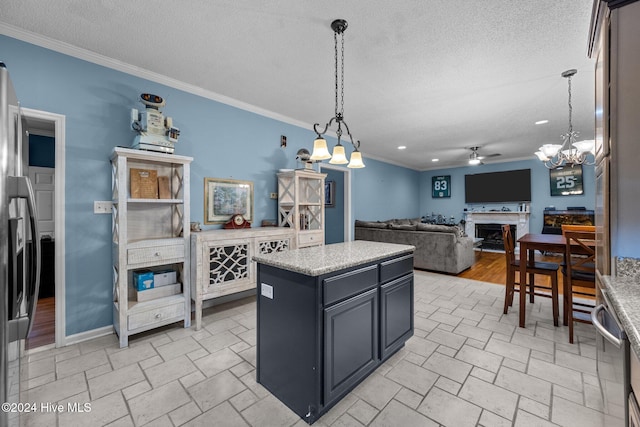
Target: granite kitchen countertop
column 318, row 260
column 624, row 295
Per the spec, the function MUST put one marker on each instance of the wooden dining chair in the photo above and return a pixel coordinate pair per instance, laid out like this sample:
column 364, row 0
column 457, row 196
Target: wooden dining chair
column 544, row 268
column 579, row 278
column 575, row 227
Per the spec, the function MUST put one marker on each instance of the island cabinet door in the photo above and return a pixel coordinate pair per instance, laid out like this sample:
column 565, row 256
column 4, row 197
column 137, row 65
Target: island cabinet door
column 396, row 314
column 351, row 343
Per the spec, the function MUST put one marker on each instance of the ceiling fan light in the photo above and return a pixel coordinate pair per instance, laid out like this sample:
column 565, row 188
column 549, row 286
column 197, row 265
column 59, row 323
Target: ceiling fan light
column 356, row 160
column 338, row 157
column 550, row 150
column 586, row 146
column 320, row 150
column 474, row 161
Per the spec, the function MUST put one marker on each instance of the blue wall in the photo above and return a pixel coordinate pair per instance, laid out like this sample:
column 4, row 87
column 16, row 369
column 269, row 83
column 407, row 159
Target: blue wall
column 226, row 142
column 334, row 215
column 382, row 191
column 540, row 191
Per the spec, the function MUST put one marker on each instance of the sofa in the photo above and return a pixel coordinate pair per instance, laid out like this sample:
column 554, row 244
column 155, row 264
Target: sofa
column 442, row 248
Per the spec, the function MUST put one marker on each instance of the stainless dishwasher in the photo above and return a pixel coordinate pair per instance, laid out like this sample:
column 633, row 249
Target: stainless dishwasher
column 612, row 356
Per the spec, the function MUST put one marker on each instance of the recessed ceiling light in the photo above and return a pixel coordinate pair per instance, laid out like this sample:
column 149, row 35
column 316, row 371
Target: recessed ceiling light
column 542, row 122
column 402, row 147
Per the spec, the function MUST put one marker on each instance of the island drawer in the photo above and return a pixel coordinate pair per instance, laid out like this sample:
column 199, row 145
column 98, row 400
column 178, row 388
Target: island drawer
column 395, row 268
column 344, row 285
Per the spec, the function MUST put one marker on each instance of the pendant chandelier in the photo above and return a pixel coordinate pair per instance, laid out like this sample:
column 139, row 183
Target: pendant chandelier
column 570, row 152
column 320, row 151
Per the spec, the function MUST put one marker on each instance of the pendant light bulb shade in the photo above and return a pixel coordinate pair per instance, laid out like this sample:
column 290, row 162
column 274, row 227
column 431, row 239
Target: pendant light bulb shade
column 356, row 160
column 586, row 146
column 550, row 150
column 320, row 150
column 541, row 156
column 338, row 157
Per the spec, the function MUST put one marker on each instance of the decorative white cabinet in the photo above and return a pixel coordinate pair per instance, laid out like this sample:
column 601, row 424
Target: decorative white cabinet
column 152, row 234
column 221, row 260
column 301, row 205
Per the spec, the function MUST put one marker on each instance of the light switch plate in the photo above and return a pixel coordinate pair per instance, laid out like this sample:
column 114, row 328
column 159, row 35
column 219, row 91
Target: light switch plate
column 102, row 207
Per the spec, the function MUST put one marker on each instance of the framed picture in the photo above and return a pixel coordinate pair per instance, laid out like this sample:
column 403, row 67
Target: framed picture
column 329, row 194
column 566, row 181
column 440, row 186
column 226, row 197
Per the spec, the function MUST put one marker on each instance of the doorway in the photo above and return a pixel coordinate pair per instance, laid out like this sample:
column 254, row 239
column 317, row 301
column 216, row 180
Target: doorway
column 43, row 161
column 337, row 216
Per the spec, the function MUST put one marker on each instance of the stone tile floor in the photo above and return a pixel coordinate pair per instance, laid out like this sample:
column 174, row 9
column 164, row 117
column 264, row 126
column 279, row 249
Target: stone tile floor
column 466, row 365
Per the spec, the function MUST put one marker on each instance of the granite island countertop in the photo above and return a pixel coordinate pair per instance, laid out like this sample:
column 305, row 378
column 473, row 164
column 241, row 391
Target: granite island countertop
column 624, row 295
column 319, row 260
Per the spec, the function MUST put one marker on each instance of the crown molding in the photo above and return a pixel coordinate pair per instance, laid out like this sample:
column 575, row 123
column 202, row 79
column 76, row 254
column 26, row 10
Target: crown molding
column 114, row 64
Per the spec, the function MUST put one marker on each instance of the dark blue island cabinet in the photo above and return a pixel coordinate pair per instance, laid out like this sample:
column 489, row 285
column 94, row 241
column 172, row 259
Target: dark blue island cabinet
column 328, row 316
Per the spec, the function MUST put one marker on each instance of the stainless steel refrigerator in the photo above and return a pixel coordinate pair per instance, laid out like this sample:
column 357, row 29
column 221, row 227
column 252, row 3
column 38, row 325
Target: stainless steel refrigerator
column 19, row 252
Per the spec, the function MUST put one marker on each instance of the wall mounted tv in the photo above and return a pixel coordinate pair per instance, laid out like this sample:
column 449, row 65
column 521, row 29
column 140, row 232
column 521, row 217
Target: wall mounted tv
column 498, row 187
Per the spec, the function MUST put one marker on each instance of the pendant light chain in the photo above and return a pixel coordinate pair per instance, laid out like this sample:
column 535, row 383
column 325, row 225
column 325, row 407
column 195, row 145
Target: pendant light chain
column 335, row 50
column 570, row 107
column 341, row 76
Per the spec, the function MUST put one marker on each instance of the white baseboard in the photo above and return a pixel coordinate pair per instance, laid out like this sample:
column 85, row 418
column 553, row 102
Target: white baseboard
column 88, row 335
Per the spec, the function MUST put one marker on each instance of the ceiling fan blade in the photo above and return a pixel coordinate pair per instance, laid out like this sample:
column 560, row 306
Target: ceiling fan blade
column 489, row 155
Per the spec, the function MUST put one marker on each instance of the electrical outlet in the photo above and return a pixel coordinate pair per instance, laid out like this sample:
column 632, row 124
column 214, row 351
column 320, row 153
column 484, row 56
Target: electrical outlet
column 274, row 195
column 102, row 207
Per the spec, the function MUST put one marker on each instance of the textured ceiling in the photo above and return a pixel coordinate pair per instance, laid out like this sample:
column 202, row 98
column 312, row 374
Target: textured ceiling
column 435, row 76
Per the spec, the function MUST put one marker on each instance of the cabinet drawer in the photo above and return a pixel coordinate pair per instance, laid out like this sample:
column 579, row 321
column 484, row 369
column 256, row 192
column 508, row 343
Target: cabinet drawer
column 345, row 285
column 155, row 254
column 155, row 315
column 397, row 267
column 306, row 238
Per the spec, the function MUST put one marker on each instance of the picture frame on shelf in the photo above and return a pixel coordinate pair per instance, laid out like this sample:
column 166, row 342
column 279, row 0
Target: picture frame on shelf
column 226, row 197
column 329, row 194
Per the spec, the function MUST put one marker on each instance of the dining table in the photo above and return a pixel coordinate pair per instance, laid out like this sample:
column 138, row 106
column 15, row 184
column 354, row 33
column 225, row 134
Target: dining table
column 528, row 244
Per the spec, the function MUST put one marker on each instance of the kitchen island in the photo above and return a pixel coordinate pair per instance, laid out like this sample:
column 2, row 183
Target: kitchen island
column 327, row 317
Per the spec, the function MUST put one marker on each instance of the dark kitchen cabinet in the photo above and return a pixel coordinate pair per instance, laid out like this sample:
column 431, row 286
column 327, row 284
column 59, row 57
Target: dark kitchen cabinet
column 350, row 343
column 320, row 336
column 396, row 314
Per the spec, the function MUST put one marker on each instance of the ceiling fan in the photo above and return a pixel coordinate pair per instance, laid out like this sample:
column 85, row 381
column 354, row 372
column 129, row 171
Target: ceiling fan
column 476, row 159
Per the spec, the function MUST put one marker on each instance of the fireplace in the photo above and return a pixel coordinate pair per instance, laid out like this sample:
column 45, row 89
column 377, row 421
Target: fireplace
column 492, row 235
column 519, row 220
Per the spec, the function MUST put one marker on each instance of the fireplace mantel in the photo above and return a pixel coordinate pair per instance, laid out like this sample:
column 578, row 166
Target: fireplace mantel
column 520, row 219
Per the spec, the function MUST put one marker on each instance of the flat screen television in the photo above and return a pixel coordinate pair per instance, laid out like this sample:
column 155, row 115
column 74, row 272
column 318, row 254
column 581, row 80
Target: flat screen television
column 498, row 187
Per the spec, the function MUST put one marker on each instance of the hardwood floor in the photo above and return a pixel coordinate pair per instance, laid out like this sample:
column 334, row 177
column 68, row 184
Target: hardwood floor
column 491, row 267
column 43, row 331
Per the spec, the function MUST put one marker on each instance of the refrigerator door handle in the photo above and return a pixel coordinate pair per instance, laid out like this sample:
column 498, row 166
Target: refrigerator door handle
column 20, row 187
column 601, row 329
